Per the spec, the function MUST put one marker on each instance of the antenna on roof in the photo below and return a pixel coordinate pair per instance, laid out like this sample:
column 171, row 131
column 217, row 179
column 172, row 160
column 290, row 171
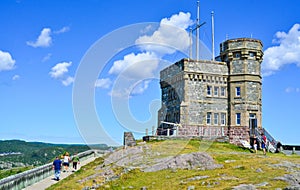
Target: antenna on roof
column 197, row 29
column 213, row 35
column 191, row 48
column 198, row 25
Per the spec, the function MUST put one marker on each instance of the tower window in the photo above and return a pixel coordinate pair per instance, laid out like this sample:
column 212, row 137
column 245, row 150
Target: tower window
column 208, row 118
column 251, row 54
column 216, row 118
column 237, row 55
column 223, row 118
column 208, row 91
column 216, row 91
column 238, row 118
column 223, row 91
column 238, row 91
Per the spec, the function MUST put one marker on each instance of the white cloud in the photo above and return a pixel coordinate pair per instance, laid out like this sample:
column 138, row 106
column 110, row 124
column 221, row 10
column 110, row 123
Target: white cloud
column 181, row 20
column 140, row 65
column 287, row 52
column 47, row 57
column 6, row 61
column 15, row 77
column 44, row 39
column 140, row 87
column 103, row 83
column 62, row 30
column 69, row 80
column 170, row 35
column 60, row 69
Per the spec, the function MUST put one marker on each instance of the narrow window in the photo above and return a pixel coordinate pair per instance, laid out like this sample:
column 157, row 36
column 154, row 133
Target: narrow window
column 237, row 55
column 238, row 118
column 237, row 91
column 208, row 118
column 223, row 118
column 208, row 90
column 216, row 91
column 223, row 91
column 216, row 118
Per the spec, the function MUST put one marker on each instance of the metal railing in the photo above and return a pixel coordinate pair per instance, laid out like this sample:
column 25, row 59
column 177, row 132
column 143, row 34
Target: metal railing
column 271, row 142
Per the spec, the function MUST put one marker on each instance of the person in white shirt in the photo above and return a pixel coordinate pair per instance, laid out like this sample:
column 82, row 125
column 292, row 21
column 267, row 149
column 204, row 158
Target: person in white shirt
column 66, row 161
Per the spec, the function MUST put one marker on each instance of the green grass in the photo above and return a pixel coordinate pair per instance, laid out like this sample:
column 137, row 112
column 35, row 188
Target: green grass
column 241, row 168
column 9, row 172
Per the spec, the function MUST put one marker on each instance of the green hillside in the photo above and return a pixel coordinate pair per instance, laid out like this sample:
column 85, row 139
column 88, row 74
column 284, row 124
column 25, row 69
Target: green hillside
column 235, row 166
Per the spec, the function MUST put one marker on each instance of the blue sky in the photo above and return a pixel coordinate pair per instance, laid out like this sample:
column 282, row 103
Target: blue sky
column 50, row 93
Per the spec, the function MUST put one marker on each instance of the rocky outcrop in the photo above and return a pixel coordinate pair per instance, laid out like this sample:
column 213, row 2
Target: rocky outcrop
column 293, row 178
column 143, row 158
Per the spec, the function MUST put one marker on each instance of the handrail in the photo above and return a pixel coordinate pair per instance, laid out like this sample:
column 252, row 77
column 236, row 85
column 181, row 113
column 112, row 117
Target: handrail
column 271, row 142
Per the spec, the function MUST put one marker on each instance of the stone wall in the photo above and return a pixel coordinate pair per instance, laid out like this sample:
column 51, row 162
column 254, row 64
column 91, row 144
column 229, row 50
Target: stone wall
column 202, row 131
column 237, row 133
column 129, row 139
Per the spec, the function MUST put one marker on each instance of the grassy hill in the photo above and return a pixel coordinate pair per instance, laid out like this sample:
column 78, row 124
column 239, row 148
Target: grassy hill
column 17, row 156
column 240, row 167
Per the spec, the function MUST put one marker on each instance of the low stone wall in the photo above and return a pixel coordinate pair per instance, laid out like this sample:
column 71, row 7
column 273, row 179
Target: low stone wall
column 162, row 137
column 27, row 178
column 204, row 131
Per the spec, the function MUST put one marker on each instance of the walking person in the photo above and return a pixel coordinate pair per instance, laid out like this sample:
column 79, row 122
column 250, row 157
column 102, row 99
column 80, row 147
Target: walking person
column 75, row 161
column 264, row 143
column 66, row 162
column 255, row 145
column 56, row 167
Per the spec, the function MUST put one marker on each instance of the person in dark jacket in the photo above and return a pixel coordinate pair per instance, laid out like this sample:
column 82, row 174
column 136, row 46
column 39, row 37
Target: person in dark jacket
column 56, row 167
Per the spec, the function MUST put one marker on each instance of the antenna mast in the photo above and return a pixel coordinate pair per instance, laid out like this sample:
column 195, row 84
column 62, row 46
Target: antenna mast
column 213, row 35
column 197, row 30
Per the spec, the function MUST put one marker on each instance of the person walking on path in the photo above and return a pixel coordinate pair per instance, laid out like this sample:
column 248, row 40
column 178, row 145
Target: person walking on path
column 56, row 167
column 75, row 161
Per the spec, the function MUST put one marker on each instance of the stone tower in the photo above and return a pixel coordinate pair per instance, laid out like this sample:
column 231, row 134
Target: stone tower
column 214, row 98
column 243, row 57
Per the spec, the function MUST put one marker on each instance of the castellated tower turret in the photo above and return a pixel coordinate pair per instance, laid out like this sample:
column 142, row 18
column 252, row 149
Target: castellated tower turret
column 243, row 57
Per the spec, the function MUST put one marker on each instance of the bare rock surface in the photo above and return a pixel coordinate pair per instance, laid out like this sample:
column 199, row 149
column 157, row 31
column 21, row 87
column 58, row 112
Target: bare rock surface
column 293, row 178
column 143, row 158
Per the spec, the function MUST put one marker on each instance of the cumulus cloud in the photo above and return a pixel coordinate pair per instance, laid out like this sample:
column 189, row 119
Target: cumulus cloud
column 60, row 69
column 132, row 65
column 44, row 39
column 6, row 61
column 170, row 35
column 286, row 52
column 103, row 83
